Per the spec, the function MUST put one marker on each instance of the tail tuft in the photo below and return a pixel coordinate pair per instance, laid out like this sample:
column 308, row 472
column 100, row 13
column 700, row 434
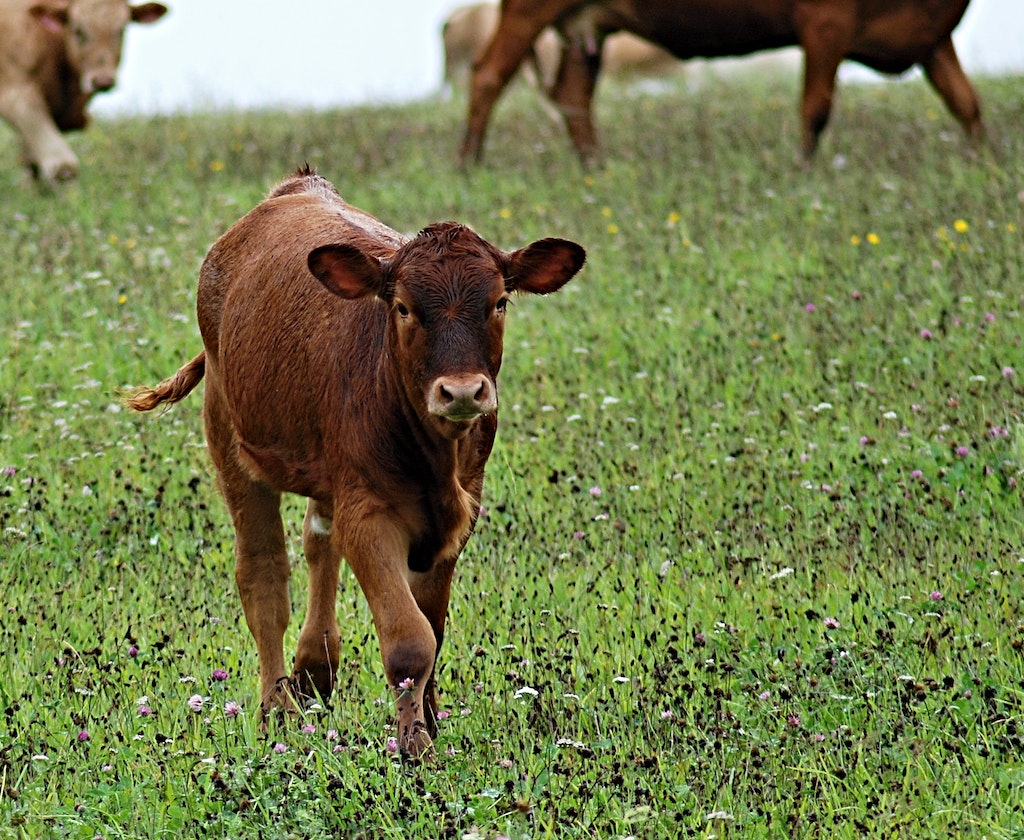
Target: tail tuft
column 172, row 389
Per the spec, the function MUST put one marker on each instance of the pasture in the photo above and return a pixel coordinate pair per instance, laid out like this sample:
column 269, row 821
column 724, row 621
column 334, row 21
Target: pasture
column 752, row 561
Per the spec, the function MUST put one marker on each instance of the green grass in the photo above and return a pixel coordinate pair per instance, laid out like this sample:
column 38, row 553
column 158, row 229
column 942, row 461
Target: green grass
column 753, row 531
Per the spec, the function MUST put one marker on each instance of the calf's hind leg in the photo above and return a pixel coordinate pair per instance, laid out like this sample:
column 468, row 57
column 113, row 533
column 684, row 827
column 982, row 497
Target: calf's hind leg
column 316, row 657
column 261, row 574
column 261, row 560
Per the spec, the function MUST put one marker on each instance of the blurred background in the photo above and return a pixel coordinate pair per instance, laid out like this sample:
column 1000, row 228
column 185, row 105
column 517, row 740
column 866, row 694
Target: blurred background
column 326, row 53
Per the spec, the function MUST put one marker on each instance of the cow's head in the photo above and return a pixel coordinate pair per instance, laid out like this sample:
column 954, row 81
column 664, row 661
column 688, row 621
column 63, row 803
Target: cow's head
column 447, row 290
column 92, row 31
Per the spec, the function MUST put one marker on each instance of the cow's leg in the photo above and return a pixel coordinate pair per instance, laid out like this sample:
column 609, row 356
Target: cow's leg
column 316, row 657
column 45, row 149
column 824, row 37
column 947, row 77
column 261, row 560
column 573, row 92
column 378, row 553
column 431, row 591
column 261, row 574
column 511, row 43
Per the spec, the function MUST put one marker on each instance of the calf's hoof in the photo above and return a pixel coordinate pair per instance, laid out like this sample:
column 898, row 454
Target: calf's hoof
column 284, row 699
column 313, row 682
column 416, row 746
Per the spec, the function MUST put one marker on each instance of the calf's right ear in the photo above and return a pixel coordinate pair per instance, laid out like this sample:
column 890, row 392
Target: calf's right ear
column 347, row 271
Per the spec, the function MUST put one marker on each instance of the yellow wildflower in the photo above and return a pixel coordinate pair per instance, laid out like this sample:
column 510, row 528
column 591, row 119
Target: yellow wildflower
column 960, row 226
column 873, row 238
column 855, row 240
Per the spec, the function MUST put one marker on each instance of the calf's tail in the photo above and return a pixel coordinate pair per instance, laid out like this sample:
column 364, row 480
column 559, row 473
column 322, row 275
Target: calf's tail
column 172, row 389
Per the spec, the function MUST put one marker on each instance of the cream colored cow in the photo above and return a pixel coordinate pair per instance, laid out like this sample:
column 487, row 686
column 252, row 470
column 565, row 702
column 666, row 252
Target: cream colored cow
column 55, row 55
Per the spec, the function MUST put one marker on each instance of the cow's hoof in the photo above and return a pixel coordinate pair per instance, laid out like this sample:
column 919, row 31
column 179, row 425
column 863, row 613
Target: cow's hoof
column 417, row 747
column 65, row 172
column 280, row 701
column 313, row 681
column 53, row 173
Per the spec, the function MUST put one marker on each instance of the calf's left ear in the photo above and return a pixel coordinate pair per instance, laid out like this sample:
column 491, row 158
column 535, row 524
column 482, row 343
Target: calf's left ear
column 347, row 271
column 543, row 266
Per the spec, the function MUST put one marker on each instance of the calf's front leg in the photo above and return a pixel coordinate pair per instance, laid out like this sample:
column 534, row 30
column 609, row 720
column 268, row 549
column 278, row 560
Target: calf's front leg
column 377, row 551
column 431, row 591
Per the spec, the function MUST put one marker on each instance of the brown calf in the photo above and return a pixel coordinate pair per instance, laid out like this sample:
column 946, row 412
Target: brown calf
column 357, row 367
column 890, row 36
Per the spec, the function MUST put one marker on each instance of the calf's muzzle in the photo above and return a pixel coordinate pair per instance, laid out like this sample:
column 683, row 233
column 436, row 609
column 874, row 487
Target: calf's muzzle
column 462, row 397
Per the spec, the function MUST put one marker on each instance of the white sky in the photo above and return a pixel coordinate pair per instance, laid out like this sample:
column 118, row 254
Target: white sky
column 320, row 53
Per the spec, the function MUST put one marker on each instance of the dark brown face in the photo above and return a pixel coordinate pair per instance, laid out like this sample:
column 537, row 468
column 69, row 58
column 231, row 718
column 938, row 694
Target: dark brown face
column 447, row 325
column 446, row 292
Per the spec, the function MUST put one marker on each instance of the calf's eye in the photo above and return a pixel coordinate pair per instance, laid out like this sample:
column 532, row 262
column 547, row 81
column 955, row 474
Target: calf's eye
column 501, row 306
column 403, row 310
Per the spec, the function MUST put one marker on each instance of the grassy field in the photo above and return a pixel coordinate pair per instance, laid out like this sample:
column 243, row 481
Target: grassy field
column 752, row 563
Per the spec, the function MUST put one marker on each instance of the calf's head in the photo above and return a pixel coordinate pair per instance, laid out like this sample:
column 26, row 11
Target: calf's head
column 93, row 31
column 447, row 290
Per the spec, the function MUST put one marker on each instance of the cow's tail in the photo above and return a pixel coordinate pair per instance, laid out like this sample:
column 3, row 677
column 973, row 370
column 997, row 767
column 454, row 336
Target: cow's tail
column 172, row 389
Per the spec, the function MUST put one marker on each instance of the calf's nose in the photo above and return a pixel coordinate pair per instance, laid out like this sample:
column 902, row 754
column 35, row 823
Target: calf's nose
column 462, row 397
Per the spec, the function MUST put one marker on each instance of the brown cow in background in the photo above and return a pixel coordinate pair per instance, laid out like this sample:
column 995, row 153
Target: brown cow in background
column 357, row 367
column 889, row 36
column 54, row 56
column 469, row 28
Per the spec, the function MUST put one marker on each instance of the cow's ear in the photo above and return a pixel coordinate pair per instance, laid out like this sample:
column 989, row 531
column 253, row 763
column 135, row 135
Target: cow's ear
column 52, row 15
column 543, row 266
column 148, row 12
column 347, row 271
